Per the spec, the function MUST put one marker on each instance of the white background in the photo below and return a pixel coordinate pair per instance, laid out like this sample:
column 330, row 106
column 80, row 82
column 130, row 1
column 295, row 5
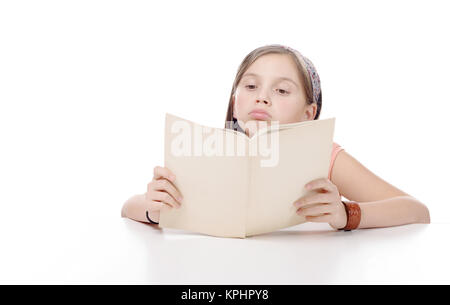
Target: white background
column 84, row 86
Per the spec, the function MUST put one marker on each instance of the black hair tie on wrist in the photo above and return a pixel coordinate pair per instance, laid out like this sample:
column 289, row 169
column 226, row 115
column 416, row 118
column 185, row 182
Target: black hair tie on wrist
column 151, row 221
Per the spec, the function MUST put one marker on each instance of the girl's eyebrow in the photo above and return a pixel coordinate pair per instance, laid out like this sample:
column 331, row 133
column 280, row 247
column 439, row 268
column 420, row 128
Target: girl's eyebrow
column 282, row 78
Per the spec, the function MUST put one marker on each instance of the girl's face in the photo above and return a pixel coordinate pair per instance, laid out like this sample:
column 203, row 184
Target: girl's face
column 271, row 84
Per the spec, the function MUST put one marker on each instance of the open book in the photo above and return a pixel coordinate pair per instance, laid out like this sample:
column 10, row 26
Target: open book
column 236, row 186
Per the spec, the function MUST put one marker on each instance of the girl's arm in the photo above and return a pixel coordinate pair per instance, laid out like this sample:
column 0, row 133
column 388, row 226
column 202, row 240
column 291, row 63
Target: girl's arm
column 161, row 194
column 382, row 204
column 392, row 212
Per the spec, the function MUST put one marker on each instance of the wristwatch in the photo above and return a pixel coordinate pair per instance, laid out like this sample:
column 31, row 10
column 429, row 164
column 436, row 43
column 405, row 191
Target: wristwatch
column 353, row 212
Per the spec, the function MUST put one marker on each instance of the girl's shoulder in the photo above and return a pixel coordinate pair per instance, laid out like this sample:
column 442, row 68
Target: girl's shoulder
column 334, row 151
column 355, row 181
column 336, row 147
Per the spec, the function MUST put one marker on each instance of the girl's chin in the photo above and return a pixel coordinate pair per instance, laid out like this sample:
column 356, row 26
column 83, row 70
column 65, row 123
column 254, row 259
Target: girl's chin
column 260, row 120
column 252, row 126
column 260, row 123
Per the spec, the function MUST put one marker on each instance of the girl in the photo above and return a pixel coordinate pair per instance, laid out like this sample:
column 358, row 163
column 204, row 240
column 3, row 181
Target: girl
column 275, row 82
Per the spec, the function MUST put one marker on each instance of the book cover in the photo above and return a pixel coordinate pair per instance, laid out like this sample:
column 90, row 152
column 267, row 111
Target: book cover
column 236, row 186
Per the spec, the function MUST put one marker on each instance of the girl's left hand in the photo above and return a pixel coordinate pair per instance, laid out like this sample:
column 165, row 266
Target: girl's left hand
column 324, row 205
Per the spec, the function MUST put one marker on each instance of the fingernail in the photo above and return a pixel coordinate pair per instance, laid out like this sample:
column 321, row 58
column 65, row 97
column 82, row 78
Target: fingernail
column 308, row 186
column 172, row 177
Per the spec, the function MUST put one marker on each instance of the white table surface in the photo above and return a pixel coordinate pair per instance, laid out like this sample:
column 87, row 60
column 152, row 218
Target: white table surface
column 120, row 251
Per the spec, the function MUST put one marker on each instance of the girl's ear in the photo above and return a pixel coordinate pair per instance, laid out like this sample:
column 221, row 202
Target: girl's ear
column 310, row 112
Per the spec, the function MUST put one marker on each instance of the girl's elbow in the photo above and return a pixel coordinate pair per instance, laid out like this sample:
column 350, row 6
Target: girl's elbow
column 423, row 214
column 419, row 212
column 123, row 212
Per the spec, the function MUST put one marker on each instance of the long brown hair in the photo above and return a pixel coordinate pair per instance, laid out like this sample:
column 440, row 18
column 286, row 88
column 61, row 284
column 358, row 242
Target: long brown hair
column 230, row 122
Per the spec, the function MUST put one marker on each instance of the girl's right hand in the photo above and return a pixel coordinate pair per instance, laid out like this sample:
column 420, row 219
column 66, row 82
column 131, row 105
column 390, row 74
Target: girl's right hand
column 161, row 193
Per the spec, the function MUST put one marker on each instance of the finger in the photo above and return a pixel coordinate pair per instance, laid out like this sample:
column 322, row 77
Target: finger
column 321, row 183
column 321, row 218
column 165, row 197
column 163, row 172
column 313, row 199
column 166, row 185
column 315, row 210
column 158, row 206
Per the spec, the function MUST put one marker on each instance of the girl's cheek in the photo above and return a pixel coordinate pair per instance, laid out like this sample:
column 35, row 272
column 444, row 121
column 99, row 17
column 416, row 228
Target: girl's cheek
column 245, row 96
column 285, row 112
column 242, row 102
column 238, row 107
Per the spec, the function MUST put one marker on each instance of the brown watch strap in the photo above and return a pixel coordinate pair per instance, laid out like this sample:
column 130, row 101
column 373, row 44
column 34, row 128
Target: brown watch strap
column 353, row 215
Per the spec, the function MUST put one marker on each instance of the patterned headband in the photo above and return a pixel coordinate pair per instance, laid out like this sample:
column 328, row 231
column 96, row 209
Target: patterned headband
column 313, row 75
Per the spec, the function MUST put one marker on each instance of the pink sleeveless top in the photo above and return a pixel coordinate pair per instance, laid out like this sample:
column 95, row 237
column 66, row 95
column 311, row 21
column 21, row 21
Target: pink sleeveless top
column 336, row 148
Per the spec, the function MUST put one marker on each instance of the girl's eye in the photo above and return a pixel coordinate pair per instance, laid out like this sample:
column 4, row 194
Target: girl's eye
column 282, row 91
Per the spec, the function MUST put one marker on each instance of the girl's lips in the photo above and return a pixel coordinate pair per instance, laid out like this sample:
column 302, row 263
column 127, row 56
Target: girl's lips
column 259, row 115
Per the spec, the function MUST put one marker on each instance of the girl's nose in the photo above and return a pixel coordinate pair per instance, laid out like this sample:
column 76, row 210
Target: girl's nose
column 264, row 101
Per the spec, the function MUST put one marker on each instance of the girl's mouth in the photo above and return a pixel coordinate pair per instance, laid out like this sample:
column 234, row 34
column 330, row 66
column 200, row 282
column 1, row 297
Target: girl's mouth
column 259, row 115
